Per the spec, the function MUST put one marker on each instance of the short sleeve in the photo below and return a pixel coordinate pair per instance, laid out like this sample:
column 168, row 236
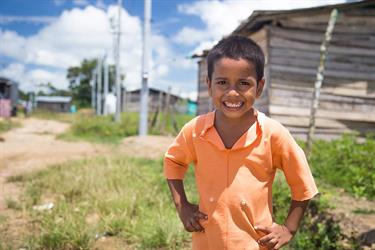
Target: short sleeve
column 179, row 155
column 290, row 158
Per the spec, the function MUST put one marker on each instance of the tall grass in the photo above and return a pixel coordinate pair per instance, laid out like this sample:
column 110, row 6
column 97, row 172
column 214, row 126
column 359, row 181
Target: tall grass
column 347, row 164
column 8, row 124
column 129, row 198
column 103, row 129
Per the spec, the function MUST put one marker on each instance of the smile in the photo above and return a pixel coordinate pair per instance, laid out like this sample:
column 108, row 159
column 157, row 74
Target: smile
column 233, row 104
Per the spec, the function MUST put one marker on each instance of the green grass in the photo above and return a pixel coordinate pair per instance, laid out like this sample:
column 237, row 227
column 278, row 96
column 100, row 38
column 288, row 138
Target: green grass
column 58, row 116
column 8, row 124
column 130, row 196
column 102, row 129
column 131, row 201
column 347, row 164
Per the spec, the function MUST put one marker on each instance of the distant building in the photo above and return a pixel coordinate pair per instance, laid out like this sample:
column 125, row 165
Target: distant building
column 291, row 42
column 8, row 97
column 156, row 97
column 54, row 103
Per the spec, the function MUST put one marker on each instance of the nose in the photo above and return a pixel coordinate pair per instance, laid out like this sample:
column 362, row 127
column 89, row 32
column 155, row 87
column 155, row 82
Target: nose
column 232, row 91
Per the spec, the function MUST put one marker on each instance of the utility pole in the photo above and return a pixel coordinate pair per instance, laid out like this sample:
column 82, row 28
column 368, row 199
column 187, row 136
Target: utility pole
column 93, row 89
column 146, row 53
column 99, row 87
column 117, row 61
column 106, row 76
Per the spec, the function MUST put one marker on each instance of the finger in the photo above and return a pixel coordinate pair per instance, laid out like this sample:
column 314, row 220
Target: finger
column 196, row 225
column 188, row 227
column 271, row 244
column 201, row 216
column 263, row 229
column 277, row 246
column 265, row 239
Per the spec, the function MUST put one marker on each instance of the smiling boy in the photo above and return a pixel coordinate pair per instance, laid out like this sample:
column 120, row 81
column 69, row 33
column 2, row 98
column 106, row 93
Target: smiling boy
column 236, row 151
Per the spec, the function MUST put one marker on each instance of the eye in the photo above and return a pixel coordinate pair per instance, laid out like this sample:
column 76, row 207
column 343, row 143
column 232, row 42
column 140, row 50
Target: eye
column 244, row 83
column 221, row 82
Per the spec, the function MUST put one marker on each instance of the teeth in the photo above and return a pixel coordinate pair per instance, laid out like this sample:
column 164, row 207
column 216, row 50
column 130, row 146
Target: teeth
column 233, row 104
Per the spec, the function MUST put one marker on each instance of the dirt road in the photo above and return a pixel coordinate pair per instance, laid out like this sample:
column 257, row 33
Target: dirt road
column 34, row 146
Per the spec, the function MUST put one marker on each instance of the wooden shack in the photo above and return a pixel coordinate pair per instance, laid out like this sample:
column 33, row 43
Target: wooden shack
column 54, row 103
column 291, row 42
column 156, row 97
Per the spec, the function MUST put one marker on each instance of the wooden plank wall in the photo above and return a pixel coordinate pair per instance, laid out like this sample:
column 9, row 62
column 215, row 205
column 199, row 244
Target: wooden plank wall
column 204, row 101
column 347, row 100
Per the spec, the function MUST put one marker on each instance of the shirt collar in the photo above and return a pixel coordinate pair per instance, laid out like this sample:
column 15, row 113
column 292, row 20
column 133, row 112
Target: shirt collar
column 210, row 119
column 244, row 141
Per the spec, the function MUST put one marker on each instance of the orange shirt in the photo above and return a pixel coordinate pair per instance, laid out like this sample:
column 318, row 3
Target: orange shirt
column 235, row 185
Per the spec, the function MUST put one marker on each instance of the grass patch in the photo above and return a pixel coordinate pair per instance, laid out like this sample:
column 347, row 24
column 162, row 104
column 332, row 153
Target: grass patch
column 102, row 129
column 16, row 178
column 347, row 164
column 129, row 196
column 58, row 116
column 364, row 211
column 13, row 204
column 129, row 199
column 8, row 124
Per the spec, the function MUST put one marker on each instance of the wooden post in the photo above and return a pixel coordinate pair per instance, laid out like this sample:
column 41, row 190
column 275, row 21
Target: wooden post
column 319, row 78
column 159, row 108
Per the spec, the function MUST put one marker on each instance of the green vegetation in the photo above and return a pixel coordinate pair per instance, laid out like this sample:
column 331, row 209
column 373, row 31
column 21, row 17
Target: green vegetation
column 347, row 164
column 8, row 124
column 128, row 199
column 103, row 129
column 57, row 116
column 317, row 230
column 111, row 196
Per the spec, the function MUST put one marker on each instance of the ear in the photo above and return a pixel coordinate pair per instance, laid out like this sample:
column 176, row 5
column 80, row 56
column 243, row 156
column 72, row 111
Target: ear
column 260, row 87
column 209, row 86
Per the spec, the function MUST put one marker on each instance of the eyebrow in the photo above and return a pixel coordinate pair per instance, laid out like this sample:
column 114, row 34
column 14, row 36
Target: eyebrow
column 241, row 79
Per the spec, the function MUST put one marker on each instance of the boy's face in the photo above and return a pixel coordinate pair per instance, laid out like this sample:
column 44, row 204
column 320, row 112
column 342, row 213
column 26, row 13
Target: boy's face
column 233, row 87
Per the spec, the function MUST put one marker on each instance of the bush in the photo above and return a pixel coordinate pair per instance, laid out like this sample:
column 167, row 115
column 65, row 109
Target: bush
column 103, row 129
column 8, row 124
column 346, row 163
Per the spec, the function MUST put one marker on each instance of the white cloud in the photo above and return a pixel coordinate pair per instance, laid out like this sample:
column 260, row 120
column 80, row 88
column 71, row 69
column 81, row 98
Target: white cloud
column 30, row 79
column 75, row 35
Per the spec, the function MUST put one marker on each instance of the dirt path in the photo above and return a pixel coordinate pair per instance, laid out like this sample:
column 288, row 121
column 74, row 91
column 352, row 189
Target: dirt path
column 34, row 146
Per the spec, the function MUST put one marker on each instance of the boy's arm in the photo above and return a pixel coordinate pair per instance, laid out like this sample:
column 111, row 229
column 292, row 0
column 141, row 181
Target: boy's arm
column 279, row 235
column 189, row 213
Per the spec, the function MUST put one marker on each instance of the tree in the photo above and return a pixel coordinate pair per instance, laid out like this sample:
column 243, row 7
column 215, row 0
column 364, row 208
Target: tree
column 79, row 82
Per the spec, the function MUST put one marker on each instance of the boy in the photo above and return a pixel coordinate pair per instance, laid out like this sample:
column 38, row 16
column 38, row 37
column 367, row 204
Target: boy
column 236, row 150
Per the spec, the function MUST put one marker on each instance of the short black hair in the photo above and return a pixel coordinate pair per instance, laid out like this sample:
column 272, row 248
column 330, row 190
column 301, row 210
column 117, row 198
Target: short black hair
column 236, row 47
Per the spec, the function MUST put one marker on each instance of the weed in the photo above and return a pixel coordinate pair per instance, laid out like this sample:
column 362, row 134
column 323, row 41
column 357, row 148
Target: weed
column 8, row 124
column 12, row 204
column 347, row 164
column 15, row 178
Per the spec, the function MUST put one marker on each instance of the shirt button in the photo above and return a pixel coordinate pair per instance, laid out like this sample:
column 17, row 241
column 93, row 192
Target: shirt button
column 211, row 199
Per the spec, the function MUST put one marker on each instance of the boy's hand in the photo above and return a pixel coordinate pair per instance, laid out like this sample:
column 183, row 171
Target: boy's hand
column 190, row 216
column 277, row 236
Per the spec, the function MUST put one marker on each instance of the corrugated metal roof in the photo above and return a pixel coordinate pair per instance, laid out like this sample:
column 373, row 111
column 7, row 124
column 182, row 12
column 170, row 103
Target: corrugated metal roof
column 62, row 99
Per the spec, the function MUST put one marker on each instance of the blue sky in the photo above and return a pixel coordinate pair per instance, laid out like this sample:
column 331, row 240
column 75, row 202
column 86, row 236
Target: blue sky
column 40, row 39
